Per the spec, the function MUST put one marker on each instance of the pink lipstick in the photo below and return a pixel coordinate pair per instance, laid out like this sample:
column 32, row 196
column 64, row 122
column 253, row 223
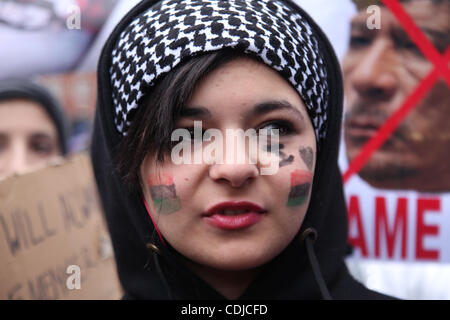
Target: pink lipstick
column 234, row 215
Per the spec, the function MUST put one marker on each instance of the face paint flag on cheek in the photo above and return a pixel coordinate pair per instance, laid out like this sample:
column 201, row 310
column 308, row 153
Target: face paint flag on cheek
column 300, row 186
column 164, row 196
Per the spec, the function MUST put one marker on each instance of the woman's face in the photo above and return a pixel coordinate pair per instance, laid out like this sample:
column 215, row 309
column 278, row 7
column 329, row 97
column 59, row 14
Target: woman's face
column 228, row 216
column 28, row 137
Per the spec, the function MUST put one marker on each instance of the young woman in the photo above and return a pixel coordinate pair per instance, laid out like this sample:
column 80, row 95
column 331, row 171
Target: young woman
column 33, row 128
column 222, row 229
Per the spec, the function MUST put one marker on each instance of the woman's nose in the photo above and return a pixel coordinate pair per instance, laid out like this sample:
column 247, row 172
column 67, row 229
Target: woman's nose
column 15, row 158
column 235, row 174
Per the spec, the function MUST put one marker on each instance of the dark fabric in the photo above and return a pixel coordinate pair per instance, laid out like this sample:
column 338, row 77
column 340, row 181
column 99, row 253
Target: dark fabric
column 288, row 276
column 24, row 89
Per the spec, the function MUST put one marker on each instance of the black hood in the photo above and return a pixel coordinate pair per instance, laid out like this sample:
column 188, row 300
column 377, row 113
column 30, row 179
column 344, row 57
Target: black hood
column 24, row 89
column 294, row 274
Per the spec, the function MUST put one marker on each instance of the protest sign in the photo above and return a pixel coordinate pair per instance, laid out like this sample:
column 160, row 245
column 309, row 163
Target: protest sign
column 54, row 243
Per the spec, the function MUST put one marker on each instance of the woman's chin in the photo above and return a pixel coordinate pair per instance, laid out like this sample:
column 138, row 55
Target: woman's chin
column 235, row 262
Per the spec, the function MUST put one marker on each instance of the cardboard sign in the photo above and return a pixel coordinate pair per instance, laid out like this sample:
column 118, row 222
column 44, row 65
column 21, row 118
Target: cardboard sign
column 54, row 243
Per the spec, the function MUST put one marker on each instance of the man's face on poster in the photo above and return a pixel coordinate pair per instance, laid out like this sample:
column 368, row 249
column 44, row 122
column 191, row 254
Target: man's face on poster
column 381, row 69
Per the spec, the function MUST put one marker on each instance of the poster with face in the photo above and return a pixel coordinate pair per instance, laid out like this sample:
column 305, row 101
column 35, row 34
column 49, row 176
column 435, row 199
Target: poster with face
column 398, row 196
column 398, row 199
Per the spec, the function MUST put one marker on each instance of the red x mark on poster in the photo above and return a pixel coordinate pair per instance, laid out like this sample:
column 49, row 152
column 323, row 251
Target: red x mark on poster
column 441, row 68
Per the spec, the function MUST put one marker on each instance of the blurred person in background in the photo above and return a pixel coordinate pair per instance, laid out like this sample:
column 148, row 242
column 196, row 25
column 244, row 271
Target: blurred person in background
column 381, row 69
column 33, row 129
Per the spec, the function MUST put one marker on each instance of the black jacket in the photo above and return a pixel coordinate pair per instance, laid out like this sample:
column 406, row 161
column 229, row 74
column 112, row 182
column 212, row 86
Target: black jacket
column 304, row 270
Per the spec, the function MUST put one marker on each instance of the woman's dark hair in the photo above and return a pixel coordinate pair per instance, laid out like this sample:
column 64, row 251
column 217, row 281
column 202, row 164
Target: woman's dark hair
column 153, row 123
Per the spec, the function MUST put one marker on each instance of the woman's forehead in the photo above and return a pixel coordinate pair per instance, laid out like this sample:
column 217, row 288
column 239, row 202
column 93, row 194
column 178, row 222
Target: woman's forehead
column 241, row 85
column 25, row 116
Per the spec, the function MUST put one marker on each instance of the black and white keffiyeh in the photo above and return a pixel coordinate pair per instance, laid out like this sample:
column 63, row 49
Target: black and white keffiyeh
column 174, row 30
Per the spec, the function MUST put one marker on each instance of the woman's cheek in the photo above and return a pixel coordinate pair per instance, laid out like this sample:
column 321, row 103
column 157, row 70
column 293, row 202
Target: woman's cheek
column 307, row 155
column 163, row 193
column 300, row 186
column 300, row 180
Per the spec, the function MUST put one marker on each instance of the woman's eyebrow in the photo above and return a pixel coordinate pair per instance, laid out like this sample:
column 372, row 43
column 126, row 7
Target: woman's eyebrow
column 195, row 112
column 41, row 135
column 269, row 106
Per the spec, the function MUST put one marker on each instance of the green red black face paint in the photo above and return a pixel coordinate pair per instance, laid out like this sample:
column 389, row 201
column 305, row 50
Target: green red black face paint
column 164, row 195
column 307, row 156
column 300, row 185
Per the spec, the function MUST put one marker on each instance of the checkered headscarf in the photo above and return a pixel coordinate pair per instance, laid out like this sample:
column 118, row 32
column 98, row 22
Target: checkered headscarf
column 171, row 31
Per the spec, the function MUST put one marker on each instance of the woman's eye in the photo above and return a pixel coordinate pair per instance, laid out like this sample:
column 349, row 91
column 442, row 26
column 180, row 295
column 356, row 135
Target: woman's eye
column 41, row 147
column 3, row 143
column 277, row 128
column 359, row 42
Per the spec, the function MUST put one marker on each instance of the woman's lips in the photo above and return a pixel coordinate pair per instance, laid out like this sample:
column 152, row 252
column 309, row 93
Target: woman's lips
column 234, row 215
